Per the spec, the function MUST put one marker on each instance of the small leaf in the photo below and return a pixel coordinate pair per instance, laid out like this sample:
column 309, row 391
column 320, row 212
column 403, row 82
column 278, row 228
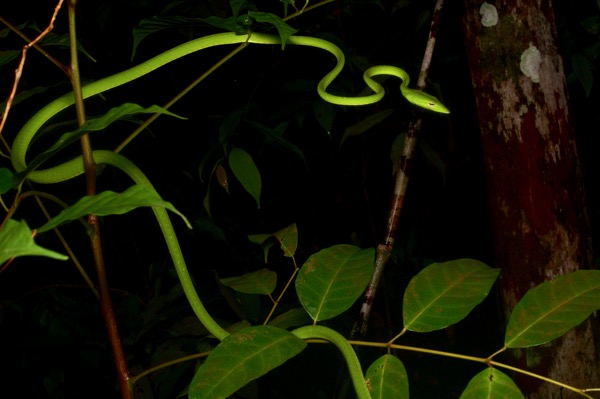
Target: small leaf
column 491, row 384
column 325, row 113
column 63, row 40
column 291, row 318
column 259, row 239
column 6, row 177
column 276, row 134
column 7, row 56
column 246, row 172
column 261, row 282
column 582, row 68
column 288, row 238
column 25, row 94
column 331, row 280
column 387, row 378
column 284, row 29
column 444, row 293
column 552, row 308
column 241, row 358
column 154, row 24
column 366, row 124
column 221, row 175
column 16, row 239
column 111, row 203
column 229, row 126
column 263, row 241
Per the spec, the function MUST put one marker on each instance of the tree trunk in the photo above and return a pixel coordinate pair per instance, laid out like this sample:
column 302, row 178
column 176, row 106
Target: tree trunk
column 535, row 186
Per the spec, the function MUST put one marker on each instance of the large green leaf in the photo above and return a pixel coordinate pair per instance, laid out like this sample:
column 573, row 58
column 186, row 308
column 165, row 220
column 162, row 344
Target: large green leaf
column 552, row 308
column 241, row 358
column 245, row 170
column 387, row 378
column 262, row 282
column 444, row 293
column 491, row 384
column 16, row 239
column 331, row 280
column 111, row 203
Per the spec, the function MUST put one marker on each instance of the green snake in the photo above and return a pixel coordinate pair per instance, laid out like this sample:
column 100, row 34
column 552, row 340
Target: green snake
column 74, row 167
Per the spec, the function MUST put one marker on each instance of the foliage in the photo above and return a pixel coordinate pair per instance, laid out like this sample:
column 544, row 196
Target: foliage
column 243, row 188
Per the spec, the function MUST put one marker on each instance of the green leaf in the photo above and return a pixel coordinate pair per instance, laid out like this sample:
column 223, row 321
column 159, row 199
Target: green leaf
column 236, row 6
column 276, row 134
column 25, row 94
column 444, row 293
column 6, row 177
column 264, row 242
column 63, row 40
column 288, row 238
column 111, row 203
column 325, row 113
column 291, row 318
column 284, row 29
column 241, row 358
column 261, row 282
column 154, row 24
column 552, row 308
column 230, row 124
column 97, row 124
column 246, row 172
column 16, row 239
column 491, row 384
column 583, row 70
column 7, row 56
column 366, row 124
column 387, row 378
column 238, row 25
column 331, row 280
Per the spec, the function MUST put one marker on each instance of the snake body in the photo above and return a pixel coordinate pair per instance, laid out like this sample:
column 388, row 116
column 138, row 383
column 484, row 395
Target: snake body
column 74, row 167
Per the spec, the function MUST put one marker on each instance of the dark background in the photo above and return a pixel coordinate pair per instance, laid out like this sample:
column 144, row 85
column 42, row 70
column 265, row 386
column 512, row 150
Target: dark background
column 52, row 336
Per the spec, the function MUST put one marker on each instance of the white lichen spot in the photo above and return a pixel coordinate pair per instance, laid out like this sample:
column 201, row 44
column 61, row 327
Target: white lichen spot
column 531, row 60
column 489, row 15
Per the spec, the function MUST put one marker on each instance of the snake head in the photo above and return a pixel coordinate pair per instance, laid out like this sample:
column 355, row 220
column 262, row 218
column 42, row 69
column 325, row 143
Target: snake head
column 424, row 100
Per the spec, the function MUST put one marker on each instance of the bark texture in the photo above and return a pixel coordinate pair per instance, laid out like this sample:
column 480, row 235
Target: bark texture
column 536, row 193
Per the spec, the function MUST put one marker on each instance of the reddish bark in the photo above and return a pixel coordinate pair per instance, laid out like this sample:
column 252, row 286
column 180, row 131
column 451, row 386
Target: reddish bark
column 536, row 194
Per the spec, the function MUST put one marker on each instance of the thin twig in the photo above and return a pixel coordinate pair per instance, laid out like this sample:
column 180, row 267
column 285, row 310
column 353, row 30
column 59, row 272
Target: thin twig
column 19, row 71
column 384, row 250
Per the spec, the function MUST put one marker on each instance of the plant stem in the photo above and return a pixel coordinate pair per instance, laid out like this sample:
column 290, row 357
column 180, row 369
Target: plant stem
column 106, row 304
